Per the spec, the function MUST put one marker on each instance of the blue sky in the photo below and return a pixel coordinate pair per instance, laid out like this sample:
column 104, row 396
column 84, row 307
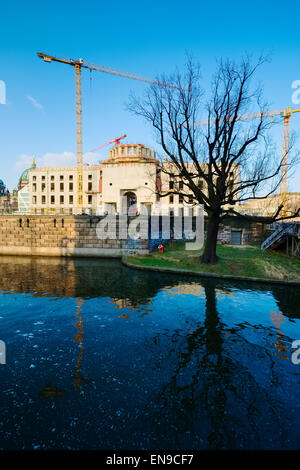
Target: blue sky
column 147, row 38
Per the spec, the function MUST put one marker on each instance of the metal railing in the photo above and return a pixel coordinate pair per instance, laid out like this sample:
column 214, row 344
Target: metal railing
column 284, row 230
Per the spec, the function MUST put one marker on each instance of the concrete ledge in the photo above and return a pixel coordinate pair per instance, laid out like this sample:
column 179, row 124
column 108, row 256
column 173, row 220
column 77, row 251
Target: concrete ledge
column 205, row 274
column 72, row 252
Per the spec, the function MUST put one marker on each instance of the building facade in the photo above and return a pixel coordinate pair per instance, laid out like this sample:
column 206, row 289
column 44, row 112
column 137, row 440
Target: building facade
column 130, row 179
column 53, row 190
column 127, row 180
column 268, row 206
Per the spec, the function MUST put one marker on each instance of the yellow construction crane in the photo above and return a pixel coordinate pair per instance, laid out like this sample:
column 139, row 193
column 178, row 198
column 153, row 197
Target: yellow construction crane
column 286, row 113
column 78, row 65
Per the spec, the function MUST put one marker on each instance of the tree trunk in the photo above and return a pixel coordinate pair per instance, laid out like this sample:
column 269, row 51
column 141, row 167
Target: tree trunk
column 210, row 248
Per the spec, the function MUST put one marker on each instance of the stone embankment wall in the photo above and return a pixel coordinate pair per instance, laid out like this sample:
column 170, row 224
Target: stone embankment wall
column 53, row 235
column 61, row 236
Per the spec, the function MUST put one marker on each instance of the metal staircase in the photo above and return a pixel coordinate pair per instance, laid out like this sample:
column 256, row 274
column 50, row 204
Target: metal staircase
column 277, row 237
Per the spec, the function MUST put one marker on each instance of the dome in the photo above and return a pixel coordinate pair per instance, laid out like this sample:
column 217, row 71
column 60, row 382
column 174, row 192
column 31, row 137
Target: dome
column 1, row 183
column 24, row 176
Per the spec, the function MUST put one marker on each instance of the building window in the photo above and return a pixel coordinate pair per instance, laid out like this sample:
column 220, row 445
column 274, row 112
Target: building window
column 180, row 199
column 71, row 199
column 61, row 199
column 52, row 186
column 110, row 184
column 171, row 185
column 34, row 178
column 191, row 199
column 43, row 187
column 61, row 186
column 71, row 177
column 33, row 199
column 52, row 199
column 52, row 178
column 90, row 177
column 70, row 186
column 90, row 199
column 180, row 184
column 34, row 187
column 43, row 178
column 201, row 184
column 90, row 186
column 171, row 199
column 43, row 199
column 61, row 177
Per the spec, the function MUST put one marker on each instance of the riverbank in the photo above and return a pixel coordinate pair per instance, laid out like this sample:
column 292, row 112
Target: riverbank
column 245, row 262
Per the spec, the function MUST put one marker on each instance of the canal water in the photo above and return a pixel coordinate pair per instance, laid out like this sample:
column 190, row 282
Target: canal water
column 99, row 356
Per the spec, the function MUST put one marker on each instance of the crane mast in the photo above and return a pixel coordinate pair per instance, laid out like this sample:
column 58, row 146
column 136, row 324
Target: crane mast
column 285, row 162
column 79, row 157
column 78, row 100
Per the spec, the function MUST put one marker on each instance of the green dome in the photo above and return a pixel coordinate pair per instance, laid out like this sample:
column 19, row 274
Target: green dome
column 1, row 182
column 24, row 176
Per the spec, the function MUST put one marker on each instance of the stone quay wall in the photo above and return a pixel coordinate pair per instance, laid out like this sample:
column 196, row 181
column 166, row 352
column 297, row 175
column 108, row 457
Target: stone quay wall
column 45, row 235
column 76, row 235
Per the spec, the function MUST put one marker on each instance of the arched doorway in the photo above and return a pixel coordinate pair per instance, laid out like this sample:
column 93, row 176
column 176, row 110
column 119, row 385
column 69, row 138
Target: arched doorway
column 131, row 203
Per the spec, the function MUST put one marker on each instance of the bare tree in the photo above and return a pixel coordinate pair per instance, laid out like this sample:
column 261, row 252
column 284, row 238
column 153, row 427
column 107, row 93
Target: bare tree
column 225, row 160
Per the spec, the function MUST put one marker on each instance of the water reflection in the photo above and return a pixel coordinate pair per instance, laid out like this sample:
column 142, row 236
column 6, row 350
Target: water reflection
column 67, row 277
column 79, row 380
column 159, row 361
column 209, row 375
column 51, row 392
column 281, row 345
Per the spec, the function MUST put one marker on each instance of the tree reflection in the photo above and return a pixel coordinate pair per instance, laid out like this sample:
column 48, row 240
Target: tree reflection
column 212, row 390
